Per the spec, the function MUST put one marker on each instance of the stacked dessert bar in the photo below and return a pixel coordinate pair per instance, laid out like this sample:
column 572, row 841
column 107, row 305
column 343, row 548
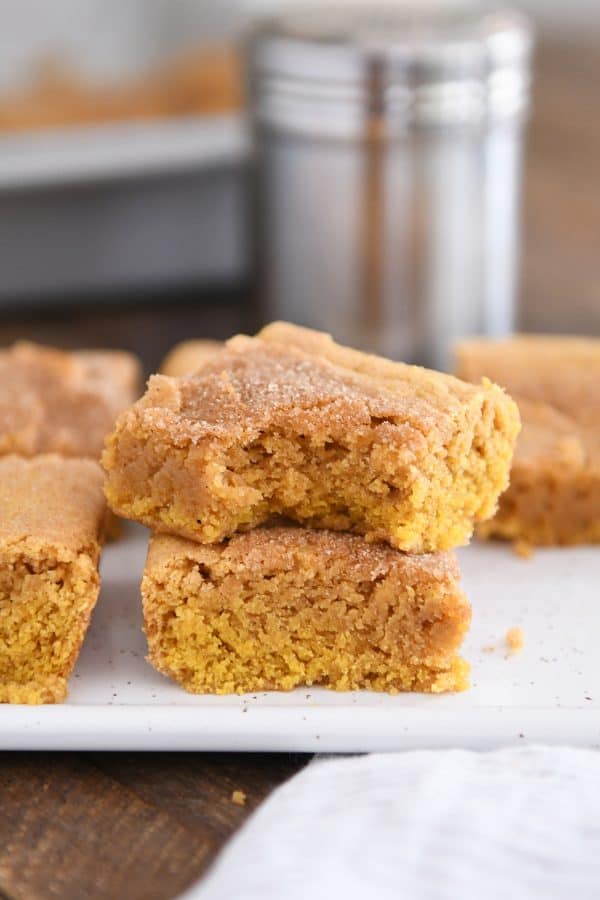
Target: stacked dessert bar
column 304, row 500
column 554, row 493
column 55, row 410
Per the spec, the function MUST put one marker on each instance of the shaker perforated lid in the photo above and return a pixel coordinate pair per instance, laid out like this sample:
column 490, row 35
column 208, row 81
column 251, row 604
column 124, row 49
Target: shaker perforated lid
column 324, row 68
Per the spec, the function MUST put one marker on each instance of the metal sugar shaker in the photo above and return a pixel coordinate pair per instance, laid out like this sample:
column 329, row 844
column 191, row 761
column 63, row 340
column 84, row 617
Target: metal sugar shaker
column 388, row 158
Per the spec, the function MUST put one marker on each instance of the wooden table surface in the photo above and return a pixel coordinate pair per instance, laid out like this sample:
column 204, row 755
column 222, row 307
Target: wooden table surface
column 108, row 825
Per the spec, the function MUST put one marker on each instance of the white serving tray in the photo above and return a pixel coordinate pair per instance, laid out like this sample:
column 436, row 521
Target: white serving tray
column 550, row 692
column 108, row 209
column 120, row 150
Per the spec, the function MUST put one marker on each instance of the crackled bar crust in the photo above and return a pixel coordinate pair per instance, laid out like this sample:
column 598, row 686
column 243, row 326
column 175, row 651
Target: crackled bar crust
column 188, row 356
column 554, row 493
column 266, row 428
column 52, row 517
column 61, row 402
column 281, row 607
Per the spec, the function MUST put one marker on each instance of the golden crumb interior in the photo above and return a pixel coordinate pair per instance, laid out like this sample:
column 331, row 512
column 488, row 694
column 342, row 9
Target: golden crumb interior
column 360, row 484
column 45, row 606
column 218, row 627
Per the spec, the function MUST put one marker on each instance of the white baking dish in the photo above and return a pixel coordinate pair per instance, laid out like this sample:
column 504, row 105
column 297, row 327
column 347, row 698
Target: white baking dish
column 124, row 206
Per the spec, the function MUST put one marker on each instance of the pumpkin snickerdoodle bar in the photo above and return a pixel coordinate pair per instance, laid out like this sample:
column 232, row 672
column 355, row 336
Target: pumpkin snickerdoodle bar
column 188, row 356
column 560, row 370
column 276, row 608
column 554, row 493
column 54, row 401
column 289, row 424
column 52, row 517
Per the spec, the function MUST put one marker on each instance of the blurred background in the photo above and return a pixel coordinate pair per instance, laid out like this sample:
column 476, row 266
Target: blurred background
column 143, row 202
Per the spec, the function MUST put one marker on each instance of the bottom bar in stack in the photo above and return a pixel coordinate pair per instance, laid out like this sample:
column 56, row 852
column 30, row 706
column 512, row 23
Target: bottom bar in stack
column 276, row 608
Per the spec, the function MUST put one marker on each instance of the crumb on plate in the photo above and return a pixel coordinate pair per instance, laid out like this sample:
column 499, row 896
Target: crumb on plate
column 515, row 639
column 239, row 798
column 522, row 548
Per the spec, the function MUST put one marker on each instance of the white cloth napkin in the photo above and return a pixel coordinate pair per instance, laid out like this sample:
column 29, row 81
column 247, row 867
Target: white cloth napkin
column 515, row 823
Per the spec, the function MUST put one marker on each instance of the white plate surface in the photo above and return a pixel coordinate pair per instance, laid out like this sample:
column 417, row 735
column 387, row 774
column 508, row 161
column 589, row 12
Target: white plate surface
column 550, row 692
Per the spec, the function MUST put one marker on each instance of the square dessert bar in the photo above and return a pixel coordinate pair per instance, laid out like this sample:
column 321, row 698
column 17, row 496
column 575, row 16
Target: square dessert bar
column 52, row 514
column 288, row 424
column 563, row 372
column 60, row 402
column 554, row 493
column 280, row 607
column 188, row 356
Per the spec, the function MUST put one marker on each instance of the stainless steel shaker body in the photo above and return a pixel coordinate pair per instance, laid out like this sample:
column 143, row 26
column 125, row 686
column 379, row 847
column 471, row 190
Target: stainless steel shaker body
column 388, row 154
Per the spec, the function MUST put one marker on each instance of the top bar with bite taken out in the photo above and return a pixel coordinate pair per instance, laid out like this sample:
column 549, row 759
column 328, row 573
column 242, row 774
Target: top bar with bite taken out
column 289, row 424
